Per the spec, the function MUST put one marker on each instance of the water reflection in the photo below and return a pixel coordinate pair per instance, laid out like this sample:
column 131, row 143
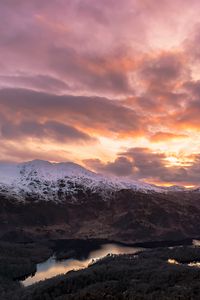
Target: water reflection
column 51, row 267
column 196, row 243
column 173, row 261
column 194, row 264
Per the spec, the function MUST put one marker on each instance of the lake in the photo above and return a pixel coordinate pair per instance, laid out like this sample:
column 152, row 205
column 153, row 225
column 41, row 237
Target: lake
column 53, row 267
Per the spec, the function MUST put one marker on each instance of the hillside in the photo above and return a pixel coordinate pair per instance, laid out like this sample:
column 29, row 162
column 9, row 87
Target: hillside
column 67, row 201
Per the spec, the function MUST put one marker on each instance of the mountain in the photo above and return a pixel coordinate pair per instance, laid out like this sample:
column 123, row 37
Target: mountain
column 39, row 199
column 47, row 181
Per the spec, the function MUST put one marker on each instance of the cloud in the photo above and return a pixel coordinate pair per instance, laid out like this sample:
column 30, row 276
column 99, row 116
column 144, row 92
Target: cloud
column 165, row 68
column 166, row 136
column 191, row 43
column 100, row 114
column 147, row 163
column 90, row 72
column 89, row 45
column 120, row 167
column 49, row 130
column 124, row 73
column 13, row 151
column 60, row 41
column 187, row 118
column 139, row 162
column 144, row 164
column 38, row 82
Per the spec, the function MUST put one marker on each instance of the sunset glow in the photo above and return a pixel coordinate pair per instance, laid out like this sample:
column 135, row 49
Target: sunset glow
column 112, row 85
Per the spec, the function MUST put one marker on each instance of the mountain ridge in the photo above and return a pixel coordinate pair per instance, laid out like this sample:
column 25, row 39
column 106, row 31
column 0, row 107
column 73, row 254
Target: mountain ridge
column 46, row 180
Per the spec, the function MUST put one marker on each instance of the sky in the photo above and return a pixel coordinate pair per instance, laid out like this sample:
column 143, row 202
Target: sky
column 112, row 85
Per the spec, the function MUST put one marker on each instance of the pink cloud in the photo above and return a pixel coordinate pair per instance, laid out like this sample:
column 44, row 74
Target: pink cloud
column 82, row 71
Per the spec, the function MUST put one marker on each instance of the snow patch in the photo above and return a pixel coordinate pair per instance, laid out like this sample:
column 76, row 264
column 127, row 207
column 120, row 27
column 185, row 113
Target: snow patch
column 43, row 180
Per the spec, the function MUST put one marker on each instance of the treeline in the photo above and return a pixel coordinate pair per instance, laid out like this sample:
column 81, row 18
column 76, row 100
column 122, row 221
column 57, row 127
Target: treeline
column 18, row 261
column 146, row 276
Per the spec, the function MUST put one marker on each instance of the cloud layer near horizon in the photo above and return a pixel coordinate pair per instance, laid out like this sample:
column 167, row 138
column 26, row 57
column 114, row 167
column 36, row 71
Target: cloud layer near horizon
column 111, row 84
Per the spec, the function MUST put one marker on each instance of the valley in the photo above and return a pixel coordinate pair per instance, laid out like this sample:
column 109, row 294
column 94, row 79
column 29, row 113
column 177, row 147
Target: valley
column 54, row 217
column 167, row 272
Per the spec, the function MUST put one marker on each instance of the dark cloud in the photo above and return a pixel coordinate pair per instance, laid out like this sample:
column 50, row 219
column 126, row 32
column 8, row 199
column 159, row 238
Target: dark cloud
column 165, row 69
column 139, row 162
column 120, row 167
column 49, row 130
column 89, row 72
column 147, row 163
column 143, row 164
column 193, row 87
column 92, row 112
column 162, row 76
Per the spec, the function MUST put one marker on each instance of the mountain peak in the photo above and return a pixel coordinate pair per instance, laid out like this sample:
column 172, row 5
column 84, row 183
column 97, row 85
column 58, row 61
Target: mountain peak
column 36, row 163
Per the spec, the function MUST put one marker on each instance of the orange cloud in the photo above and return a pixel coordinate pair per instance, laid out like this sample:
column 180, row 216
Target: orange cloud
column 166, row 136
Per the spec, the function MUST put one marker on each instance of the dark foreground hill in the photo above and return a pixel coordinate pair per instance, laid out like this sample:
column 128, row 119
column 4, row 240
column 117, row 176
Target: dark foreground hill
column 144, row 276
column 127, row 215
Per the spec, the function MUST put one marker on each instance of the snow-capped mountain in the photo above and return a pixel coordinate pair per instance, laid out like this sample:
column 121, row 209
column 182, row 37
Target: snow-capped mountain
column 65, row 200
column 43, row 180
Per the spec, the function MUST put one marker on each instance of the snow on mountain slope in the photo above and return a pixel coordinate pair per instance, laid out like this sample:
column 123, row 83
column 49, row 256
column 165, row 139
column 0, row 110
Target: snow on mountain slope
column 43, row 180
